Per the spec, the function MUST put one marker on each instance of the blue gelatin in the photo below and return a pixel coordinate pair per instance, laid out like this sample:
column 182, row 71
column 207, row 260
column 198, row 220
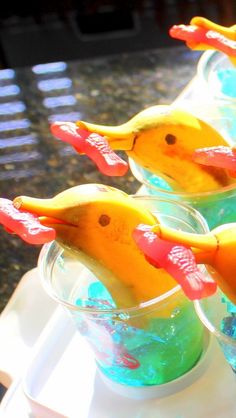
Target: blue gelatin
column 100, row 294
column 227, row 78
column 143, row 350
column 159, row 182
column 228, row 324
column 227, row 81
column 228, row 327
column 217, row 209
column 231, row 308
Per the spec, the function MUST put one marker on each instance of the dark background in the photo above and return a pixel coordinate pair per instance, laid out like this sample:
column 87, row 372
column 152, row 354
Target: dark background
column 33, row 32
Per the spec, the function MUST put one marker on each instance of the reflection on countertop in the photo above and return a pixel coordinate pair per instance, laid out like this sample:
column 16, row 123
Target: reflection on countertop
column 106, row 90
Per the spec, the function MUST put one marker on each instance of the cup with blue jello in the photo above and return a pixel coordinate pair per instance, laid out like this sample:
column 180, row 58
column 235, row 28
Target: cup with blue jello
column 217, row 310
column 143, row 331
column 143, row 343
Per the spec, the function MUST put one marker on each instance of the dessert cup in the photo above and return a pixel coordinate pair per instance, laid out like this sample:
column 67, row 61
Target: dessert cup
column 150, row 345
column 217, row 207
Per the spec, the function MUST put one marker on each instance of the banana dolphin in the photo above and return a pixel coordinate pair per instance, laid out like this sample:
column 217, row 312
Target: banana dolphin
column 162, row 139
column 96, row 222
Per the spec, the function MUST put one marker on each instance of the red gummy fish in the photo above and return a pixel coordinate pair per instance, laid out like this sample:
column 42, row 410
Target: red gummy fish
column 220, row 156
column 93, row 145
column 114, row 351
column 24, row 224
column 177, row 260
column 195, row 35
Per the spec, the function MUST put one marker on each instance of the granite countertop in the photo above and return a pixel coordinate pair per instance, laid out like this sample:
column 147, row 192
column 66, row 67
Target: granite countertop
column 107, row 90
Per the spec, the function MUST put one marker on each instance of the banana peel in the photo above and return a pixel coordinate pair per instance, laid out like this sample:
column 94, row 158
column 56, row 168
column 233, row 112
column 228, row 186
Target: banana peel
column 162, row 139
column 227, row 31
column 96, row 223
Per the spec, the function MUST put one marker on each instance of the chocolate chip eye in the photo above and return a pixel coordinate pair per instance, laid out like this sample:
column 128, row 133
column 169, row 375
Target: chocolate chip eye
column 170, row 139
column 104, row 220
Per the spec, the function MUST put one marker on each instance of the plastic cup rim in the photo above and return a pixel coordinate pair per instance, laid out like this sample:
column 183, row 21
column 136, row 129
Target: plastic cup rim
column 112, row 311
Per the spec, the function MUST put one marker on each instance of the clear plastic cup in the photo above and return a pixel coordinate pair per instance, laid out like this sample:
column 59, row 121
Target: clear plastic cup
column 145, row 346
column 218, row 75
column 218, row 315
column 211, row 95
column 217, row 207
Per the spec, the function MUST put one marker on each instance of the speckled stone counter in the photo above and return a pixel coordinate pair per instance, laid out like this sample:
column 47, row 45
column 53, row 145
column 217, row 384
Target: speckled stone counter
column 108, row 91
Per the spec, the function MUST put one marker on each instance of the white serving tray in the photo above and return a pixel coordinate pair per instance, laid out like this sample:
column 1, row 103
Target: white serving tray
column 61, row 381
column 21, row 323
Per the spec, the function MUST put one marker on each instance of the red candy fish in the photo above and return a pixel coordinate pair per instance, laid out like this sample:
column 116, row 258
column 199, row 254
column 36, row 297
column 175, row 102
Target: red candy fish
column 115, row 352
column 95, row 146
column 221, row 156
column 177, row 260
column 25, row 224
column 196, row 37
